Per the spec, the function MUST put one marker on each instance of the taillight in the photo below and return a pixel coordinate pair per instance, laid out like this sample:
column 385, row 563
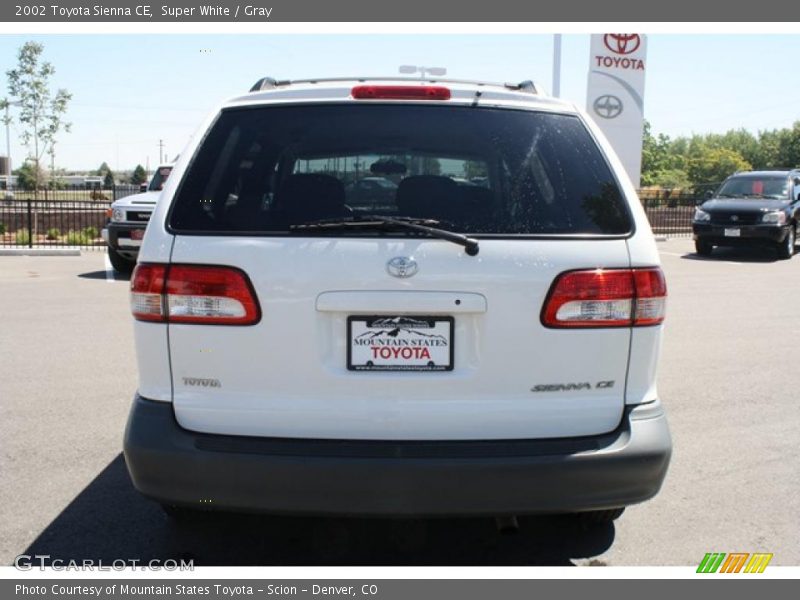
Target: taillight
column 208, row 295
column 606, row 298
column 147, row 289
column 400, row 92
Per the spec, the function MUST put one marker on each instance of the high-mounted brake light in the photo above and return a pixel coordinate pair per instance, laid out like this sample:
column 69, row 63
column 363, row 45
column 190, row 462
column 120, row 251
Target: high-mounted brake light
column 197, row 294
column 400, row 92
column 606, row 298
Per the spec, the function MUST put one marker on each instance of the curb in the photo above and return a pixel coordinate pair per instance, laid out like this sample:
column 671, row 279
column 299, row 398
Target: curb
column 40, row 252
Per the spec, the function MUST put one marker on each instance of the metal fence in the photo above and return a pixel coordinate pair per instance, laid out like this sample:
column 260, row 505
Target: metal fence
column 52, row 218
column 75, row 216
column 670, row 213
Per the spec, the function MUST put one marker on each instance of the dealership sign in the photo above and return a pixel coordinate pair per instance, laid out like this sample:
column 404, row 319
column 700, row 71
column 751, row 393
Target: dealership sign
column 615, row 94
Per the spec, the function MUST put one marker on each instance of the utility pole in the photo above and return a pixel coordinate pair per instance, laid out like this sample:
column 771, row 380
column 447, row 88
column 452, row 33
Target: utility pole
column 8, row 148
column 160, row 151
column 557, row 65
column 53, row 164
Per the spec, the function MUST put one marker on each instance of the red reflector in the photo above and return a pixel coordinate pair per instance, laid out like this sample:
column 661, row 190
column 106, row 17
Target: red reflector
column 606, row 298
column 400, row 92
column 193, row 294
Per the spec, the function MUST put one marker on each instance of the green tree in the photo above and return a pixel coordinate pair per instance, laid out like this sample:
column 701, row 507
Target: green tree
column 712, row 165
column 108, row 179
column 139, row 175
column 662, row 165
column 672, row 178
column 41, row 111
column 27, row 177
column 102, row 169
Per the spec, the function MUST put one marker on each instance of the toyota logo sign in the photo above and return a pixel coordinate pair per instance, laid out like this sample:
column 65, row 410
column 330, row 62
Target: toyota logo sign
column 622, row 43
column 402, row 266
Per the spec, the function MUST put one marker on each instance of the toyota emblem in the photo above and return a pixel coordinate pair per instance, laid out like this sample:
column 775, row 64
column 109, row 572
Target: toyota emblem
column 622, row 43
column 402, row 266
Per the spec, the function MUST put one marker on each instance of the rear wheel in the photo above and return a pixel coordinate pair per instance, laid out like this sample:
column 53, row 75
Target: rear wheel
column 786, row 247
column 119, row 262
column 703, row 248
column 599, row 517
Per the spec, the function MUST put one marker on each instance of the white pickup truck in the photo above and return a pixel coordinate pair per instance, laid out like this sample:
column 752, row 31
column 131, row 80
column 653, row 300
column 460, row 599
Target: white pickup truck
column 128, row 220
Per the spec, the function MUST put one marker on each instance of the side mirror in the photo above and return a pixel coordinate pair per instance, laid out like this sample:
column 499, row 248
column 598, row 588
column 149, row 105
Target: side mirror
column 797, row 180
column 708, row 195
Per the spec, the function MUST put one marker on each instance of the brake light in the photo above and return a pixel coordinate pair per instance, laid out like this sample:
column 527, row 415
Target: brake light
column 606, row 298
column 400, row 92
column 208, row 295
column 147, row 289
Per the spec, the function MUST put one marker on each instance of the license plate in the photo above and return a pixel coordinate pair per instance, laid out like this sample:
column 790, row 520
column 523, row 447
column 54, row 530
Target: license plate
column 733, row 232
column 399, row 343
column 137, row 234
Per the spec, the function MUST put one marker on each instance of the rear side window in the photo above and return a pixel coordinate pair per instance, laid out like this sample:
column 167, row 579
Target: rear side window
column 476, row 170
column 159, row 179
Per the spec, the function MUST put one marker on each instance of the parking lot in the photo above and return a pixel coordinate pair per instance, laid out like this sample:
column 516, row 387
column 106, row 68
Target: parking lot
column 67, row 375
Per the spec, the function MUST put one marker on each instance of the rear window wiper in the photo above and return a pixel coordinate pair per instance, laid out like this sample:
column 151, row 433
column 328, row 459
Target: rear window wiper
column 426, row 226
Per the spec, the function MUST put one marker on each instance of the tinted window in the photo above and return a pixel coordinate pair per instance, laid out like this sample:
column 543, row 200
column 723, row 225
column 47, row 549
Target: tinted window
column 488, row 171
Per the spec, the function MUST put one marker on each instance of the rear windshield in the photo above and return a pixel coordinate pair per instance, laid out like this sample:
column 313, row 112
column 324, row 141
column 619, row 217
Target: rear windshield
column 476, row 170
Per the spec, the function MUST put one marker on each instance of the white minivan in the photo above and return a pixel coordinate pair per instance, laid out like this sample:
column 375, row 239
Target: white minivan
column 480, row 339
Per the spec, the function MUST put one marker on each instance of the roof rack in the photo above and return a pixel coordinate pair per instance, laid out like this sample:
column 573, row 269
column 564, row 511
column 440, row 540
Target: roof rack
column 268, row 83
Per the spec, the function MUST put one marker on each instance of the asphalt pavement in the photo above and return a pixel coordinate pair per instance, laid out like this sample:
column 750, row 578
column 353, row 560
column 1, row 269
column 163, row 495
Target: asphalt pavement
column 67, row 375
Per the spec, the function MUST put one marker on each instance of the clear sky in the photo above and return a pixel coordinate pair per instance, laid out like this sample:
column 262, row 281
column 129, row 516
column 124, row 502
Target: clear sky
column 129, row 91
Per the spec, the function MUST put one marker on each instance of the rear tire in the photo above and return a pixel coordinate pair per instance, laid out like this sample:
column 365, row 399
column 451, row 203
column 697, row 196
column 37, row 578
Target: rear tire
column 703, row 248
column 601, row 517
column 786, row 247
column 119, row 262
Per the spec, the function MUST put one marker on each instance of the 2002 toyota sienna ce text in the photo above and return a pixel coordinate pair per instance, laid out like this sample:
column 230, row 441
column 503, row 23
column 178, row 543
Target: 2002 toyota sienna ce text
column 479, row 338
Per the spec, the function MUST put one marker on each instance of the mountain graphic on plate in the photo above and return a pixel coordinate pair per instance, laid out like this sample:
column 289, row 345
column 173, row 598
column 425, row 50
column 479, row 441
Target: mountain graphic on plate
column 392, row 326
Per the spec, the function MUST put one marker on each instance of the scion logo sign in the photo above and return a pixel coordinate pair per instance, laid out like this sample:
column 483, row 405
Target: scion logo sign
column 608, row 106
column 622, row 43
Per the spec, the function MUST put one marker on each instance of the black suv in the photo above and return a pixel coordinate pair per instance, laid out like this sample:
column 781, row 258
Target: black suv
column 750, row 208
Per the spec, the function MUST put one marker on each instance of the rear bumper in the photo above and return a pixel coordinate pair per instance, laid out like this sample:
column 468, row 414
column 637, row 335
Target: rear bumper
column 748, row 234
column 296, row 476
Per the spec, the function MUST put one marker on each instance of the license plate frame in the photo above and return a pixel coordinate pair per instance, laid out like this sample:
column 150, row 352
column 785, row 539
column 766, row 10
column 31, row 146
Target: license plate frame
column 431, row 334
